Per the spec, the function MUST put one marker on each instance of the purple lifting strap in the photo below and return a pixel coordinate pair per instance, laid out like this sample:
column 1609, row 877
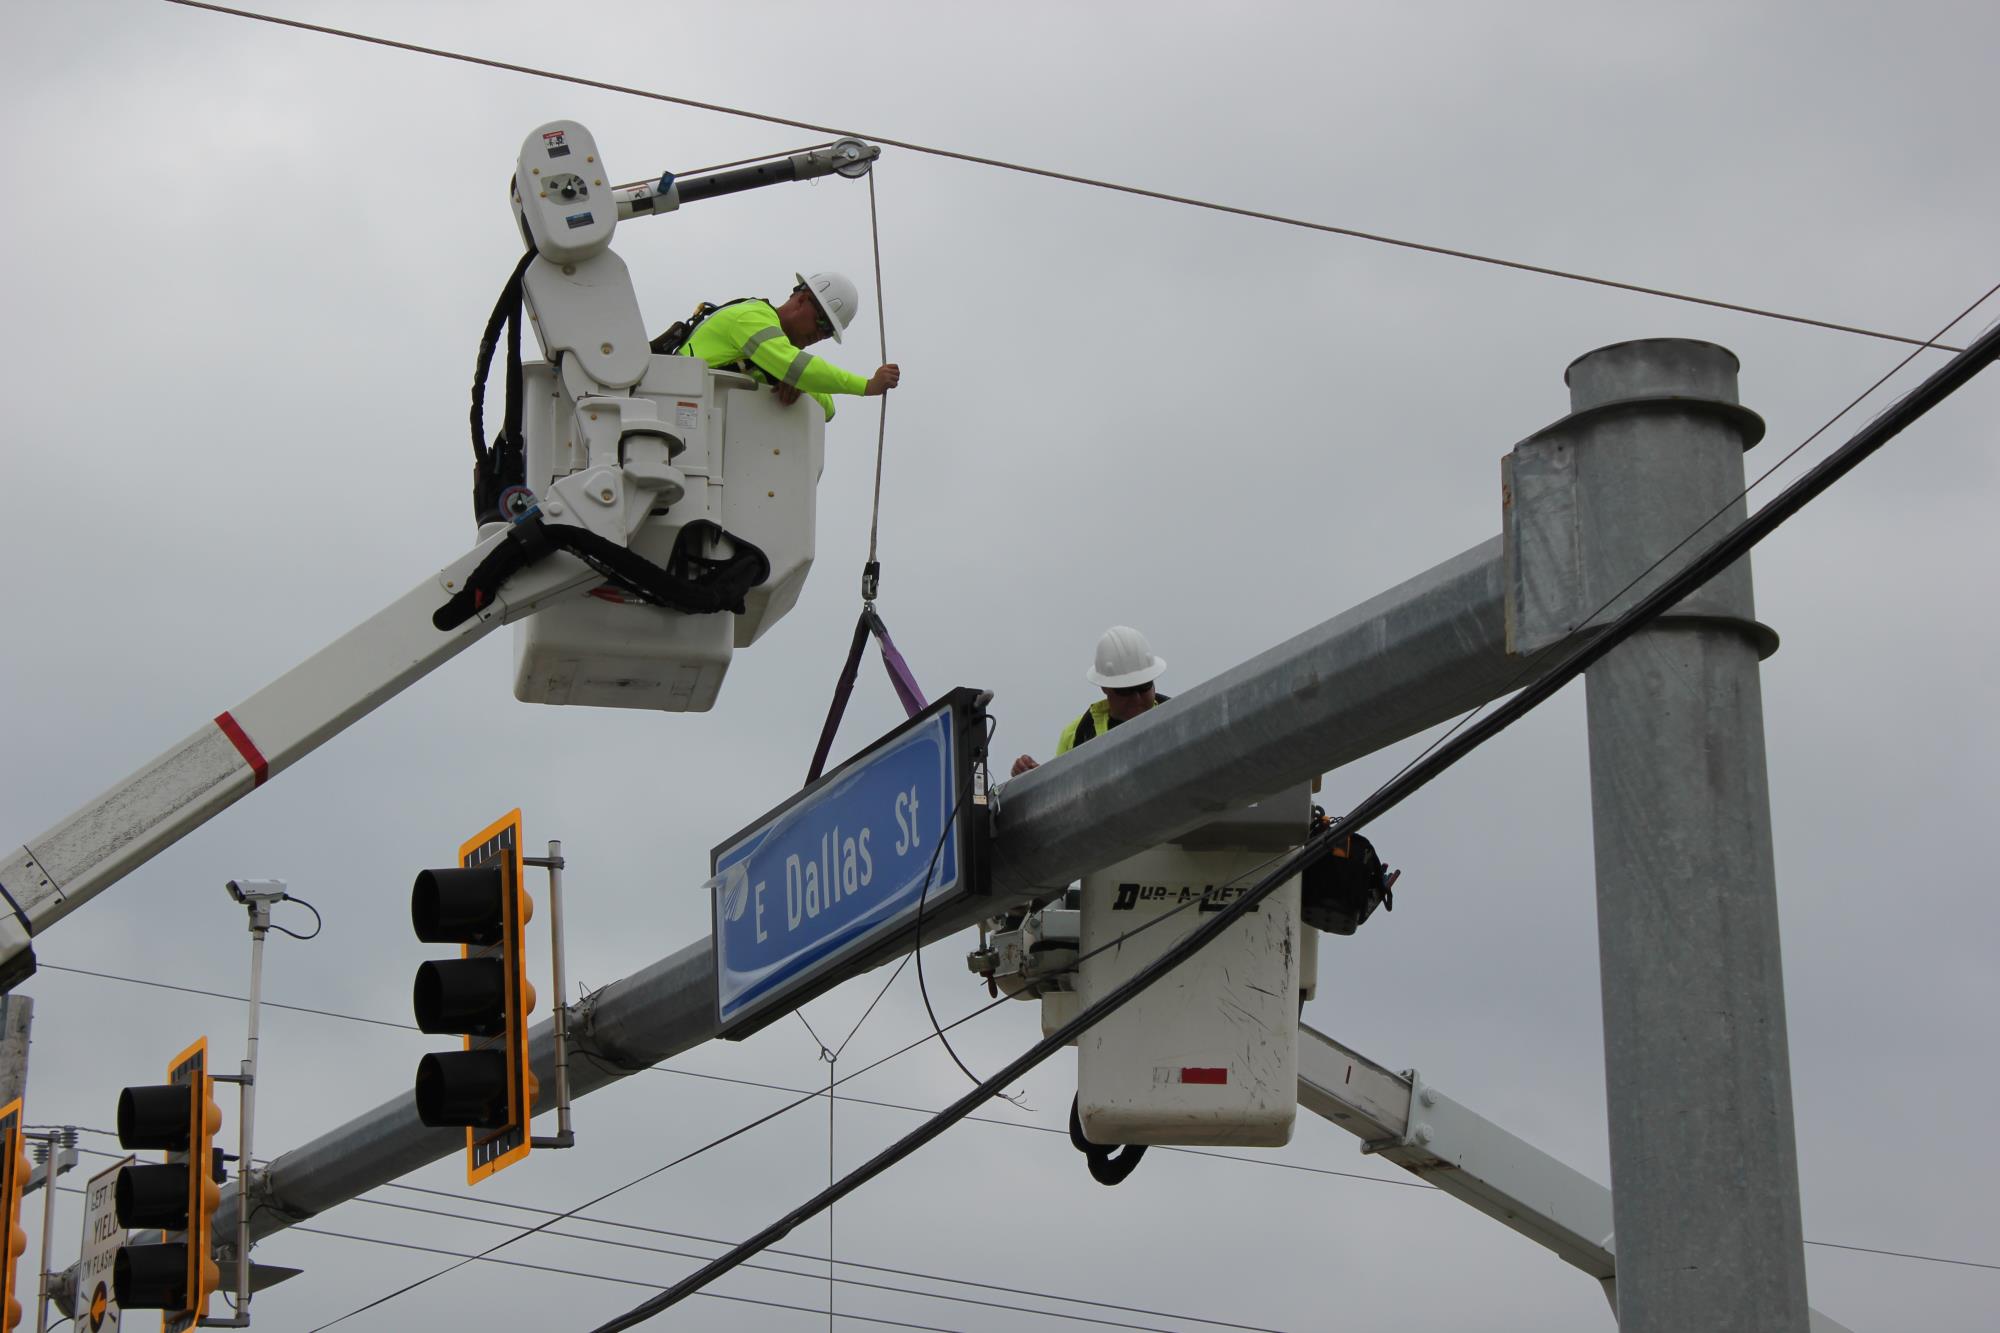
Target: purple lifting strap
column 905, row 684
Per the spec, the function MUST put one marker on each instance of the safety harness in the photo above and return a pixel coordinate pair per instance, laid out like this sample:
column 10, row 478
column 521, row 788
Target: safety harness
column 674, row 342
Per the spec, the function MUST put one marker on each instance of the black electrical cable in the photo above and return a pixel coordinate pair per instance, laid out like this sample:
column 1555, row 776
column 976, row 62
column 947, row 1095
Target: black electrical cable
column 802, row 1097
column 1045, row 173
column 732, row 1134
column 1012, row 1288
column 779, row 1271
column 601, row 1277
column 318, row 923
column 1741, row 496
column 1268, row 1162
column 1717, row 557
column 224, row 995
column 917, row 930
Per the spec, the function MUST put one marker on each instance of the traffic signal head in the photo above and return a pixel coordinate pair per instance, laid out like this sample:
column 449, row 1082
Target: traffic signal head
column 14, row 1170
column 180, row 1196
column 464, row 906
column 483, row 995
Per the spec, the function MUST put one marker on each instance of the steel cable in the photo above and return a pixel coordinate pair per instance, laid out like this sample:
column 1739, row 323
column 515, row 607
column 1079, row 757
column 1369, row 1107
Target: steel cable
column 1049, row 174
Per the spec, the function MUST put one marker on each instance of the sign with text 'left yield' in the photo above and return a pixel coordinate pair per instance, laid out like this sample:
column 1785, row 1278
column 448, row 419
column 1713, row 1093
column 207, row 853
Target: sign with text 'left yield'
column 835, row 872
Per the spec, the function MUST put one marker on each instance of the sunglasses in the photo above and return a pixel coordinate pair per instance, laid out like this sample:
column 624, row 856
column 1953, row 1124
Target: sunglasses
column 825, row 324
column 1128, row 691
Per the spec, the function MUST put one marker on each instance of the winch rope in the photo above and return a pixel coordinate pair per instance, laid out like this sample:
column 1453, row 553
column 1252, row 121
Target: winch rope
column 901, row 678
column 871, row 572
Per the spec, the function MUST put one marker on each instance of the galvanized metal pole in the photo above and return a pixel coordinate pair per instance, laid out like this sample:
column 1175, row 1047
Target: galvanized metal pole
column 1704, row 1167
column 49, row 1142
column 260, row 926
column 17, row 1016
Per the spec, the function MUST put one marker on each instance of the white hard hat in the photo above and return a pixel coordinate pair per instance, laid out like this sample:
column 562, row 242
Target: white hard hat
column 1124, row 659
column 836, row 296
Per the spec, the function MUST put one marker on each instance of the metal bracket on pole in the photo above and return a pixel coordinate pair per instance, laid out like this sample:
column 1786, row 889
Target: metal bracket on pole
column 564, row 1136
column 66, row 1160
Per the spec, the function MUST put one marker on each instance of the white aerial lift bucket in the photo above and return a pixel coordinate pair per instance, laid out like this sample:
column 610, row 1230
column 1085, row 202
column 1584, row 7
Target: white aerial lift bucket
column 1209, row 1053
column 751, row 465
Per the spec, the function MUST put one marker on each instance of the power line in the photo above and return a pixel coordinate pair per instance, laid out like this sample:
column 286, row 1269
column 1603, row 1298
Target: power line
column 605, row 1277
column 806, row 1095
column 1904, row 1254
column 1725, row 552
column 588, row 1203
column 820, row 1258
column 635, row 1226
column 809, row 1094
column 1740, row 497
column 815, row 1277
column 1045, row 1129
column 1069, row 177
column 648, row 1175
column 224, row 995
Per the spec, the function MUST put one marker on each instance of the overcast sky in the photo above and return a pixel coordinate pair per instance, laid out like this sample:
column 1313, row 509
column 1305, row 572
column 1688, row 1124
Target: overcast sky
column 248, row 268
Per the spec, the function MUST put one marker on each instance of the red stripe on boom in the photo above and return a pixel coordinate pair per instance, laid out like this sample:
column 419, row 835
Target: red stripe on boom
column 260, row 769
column 1194, row 1074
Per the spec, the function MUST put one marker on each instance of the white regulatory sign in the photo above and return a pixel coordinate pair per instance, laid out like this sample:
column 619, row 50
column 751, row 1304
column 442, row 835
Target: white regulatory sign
column 96, row 1302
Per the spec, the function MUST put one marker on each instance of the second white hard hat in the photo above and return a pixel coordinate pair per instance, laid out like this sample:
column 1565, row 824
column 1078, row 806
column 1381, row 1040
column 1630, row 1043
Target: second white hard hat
column 1124, row 659
column 836, row 296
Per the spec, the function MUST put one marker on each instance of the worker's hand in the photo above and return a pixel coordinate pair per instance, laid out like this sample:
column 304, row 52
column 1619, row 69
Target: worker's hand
column 1023, row 764
column 787, row 393
column 884, row 379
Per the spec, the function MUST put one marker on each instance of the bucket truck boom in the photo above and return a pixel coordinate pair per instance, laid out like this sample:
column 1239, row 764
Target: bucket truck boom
column 627, row 477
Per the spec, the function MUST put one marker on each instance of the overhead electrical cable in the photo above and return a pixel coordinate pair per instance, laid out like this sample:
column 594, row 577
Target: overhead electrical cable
column 852, row 1100
column 740, row 1130
column 750, row 1300
column 588, row 1203
column 602, row 1277
column 1720, row 555
column 793, row 1272
column 1048, row 174
column 224, row 995
column 805, row 1256
column 1522, row 676
column 1904, row 1254
column 803, row 1096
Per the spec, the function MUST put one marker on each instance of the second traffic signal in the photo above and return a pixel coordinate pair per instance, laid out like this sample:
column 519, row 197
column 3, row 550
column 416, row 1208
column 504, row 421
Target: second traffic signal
column 483, row 995
column 14, row 1169
column 176, row 1276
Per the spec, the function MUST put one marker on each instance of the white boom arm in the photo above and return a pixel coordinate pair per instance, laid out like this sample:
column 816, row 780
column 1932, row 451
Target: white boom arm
column 586, row 316
column 52, row 875
column 1401, row 1119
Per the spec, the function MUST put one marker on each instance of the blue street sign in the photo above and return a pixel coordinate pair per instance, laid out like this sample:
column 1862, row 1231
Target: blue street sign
column 836, row 871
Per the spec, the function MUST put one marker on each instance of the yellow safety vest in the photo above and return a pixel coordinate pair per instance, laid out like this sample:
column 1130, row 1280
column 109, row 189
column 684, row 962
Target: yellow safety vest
column 747, row 335
column 1095, row 720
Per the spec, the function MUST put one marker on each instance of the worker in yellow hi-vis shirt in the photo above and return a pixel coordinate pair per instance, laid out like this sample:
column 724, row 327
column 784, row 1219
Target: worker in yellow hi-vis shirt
column 768, row 341
column 1125, row 668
